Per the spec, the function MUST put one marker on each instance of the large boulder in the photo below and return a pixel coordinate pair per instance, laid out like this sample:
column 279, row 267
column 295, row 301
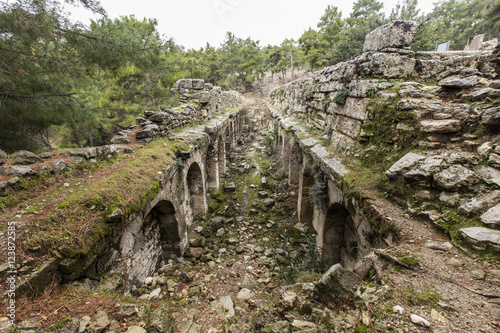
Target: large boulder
column 481, row 238
column 396, row 34
column 458, row 82
column 337, row 286
column 481, row 203
column 392, row 65
column 86, row 153
column 492, row 217
column 455, row 177
column 491, row 117
column 404, row 164
column 148, row 131
column 17, row 171
column 3, row 157
column 425, row 169
column 24, row 157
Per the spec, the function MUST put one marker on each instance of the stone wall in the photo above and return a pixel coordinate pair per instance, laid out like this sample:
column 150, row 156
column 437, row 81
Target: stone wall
column 434, row 115
column 140, row 249
column 199, row 102
column 158, row 231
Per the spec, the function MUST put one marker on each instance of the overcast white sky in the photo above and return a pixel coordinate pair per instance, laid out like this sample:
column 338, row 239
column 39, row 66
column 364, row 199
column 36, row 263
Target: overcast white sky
column 193, row 23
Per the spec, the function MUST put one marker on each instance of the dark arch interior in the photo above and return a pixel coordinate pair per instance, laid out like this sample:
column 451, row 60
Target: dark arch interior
column 338, row 232
column 164, row 212
column 306, row 208
column 195, row 186
column 212, row 167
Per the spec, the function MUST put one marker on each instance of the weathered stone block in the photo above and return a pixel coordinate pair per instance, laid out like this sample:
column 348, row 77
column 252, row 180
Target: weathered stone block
column 349, row 126
column 491, row 117
column 184, row 84
column 396, row 34
column 455, row 177
column 441, row 126
column 481, row 238
column 403, row 165
column 492, row 217
column 16, row 170
column 392, row 65
column 458, row 82
column 337, row 285
column 24, row 157
column 198, row 84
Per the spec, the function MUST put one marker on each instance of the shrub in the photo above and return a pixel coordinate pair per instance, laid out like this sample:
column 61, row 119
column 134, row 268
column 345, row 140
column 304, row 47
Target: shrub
column 341, row 96
column 308, row 95
column 319, row 191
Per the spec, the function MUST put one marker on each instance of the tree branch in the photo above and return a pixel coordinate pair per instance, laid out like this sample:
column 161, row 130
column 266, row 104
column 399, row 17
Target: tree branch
column 33, row 97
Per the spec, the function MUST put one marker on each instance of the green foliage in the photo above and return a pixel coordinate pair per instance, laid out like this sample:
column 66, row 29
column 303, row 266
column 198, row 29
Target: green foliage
column 318, row 193
column 181, row 163
column 308, row 94
column 307, row 264
column 341, row 96
column 409, row 261
column 458, row 21
column 427, row 297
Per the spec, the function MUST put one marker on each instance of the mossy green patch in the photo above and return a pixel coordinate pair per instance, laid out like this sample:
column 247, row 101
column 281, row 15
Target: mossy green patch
column 76, row 229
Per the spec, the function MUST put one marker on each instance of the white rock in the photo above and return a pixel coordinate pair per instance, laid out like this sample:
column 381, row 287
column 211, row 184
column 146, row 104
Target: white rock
column 245, row 294
column 155, row 293
column 228, row 305
column 485, row 149
column 398, row 309
column 419, row 320
column 492, row 217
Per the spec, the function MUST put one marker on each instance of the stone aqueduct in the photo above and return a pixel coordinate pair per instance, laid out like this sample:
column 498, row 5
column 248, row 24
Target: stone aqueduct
column 163, row 226
column 214, row 122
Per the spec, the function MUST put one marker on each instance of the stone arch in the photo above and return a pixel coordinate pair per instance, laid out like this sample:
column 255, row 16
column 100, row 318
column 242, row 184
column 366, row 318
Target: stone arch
column 194, row 179
column 295, row 163
column 212, row 166
column 221, row 153
column 305, row 207
column 170, row 239
column 227, row 142
column 339, row 243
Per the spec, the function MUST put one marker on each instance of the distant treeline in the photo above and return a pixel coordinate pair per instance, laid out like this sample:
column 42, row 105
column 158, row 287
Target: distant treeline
column 67, row 85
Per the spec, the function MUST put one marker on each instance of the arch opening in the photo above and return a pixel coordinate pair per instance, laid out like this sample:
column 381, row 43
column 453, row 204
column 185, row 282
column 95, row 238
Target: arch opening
column 212, row 168
column 170, row 240
column 195, row 187
column 306, row 209
column 339, row 243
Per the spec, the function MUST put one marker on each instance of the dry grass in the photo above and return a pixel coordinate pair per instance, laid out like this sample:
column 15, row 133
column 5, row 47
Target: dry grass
column 57, row 302
column 78, row 224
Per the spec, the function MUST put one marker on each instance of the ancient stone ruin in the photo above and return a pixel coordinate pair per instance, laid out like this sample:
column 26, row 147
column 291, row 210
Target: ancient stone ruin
column 365, row 197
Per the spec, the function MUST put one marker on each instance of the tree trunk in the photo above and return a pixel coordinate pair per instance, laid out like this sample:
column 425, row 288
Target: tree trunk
column 91, row 140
